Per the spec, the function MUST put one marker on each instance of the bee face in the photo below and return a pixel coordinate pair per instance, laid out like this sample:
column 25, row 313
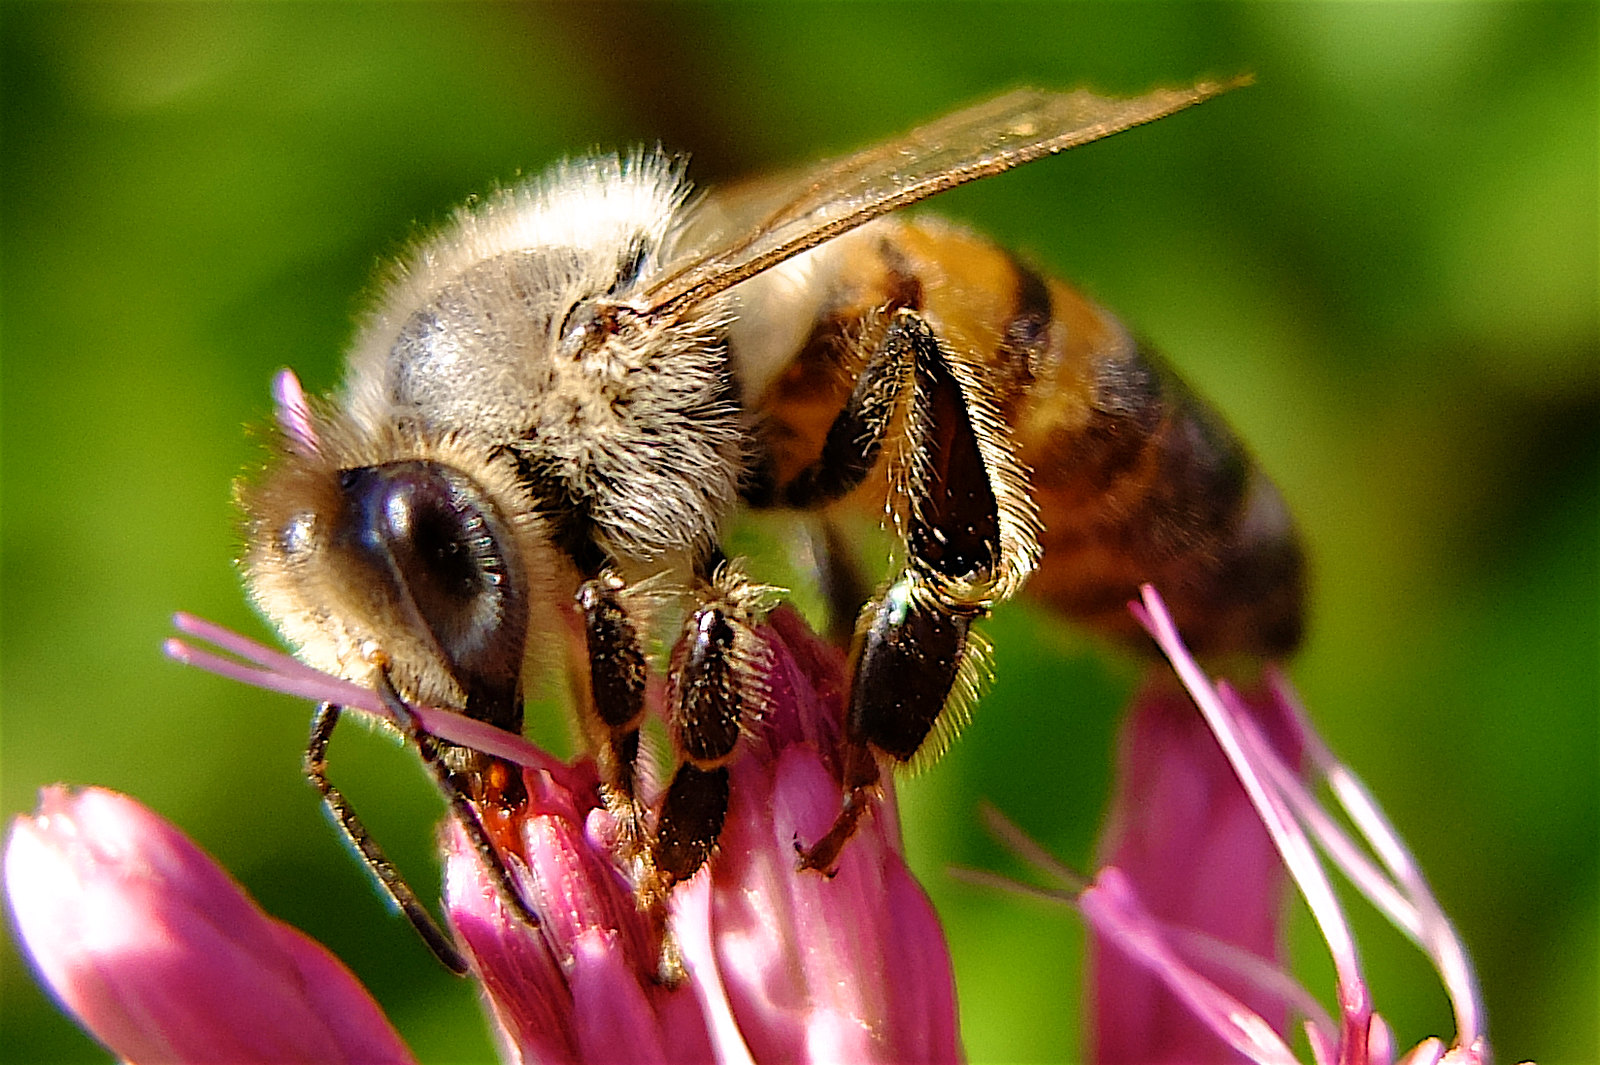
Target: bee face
column 505, row 413
column 410, row 562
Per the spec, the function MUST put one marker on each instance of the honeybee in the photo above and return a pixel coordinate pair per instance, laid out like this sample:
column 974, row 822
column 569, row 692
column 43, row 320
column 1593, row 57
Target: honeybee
column 561, row 397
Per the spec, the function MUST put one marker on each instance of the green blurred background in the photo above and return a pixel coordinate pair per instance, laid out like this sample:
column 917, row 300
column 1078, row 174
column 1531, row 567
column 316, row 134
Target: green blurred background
column 1380, row 261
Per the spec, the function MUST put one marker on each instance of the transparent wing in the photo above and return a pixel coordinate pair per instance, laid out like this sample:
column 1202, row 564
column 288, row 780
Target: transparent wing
column 752, row 228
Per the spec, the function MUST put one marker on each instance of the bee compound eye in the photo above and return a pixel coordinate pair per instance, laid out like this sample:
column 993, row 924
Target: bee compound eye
column 441, row 553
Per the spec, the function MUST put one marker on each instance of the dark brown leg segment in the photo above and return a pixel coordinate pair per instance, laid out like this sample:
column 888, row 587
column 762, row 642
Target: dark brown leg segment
column 617, row 675
column 708, row 711
column 905, row 670
column 855, row 439
column 378, row 864
column 463, row 786
column 691, row 820
column 955, row 519
column 716, row 687
column 716, row 684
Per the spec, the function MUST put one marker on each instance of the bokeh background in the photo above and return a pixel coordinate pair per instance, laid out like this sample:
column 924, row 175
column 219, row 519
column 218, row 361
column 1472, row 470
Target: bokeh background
column 1380, row 262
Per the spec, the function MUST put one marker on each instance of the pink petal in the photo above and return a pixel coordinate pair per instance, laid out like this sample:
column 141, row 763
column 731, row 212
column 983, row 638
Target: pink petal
column 852, row 968
column 163, row 957
column 294, row 413
column 1185, row 834
column 691, row 923
column 524, row 984
column 258, row 665
column 579, row 988
column 1427, row 1052
column 784, row 965
column 612, row 1012
column 1115, row 913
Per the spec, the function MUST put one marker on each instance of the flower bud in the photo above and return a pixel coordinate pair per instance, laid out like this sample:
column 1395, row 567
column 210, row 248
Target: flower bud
column 163, row 957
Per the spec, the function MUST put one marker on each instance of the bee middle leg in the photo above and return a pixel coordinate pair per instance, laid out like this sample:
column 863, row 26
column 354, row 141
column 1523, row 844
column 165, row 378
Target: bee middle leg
column 714, row 688
column 715, row 691
column 916, row 659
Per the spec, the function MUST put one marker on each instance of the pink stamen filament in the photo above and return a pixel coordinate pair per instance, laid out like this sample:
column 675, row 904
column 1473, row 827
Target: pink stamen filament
column 1008, row 834
column 294, row 413
column 1255, row 970
column 1410, row 906
column 1292, row 844
column 263, row 667
column 1436, row 935
column 1330, row 836
column 1288, row 809
column 1112, row 907
column 1428, row 926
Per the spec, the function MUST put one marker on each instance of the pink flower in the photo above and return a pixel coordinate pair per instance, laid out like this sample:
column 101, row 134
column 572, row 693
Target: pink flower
column 1186, row 915
column 783, row 965
column 848, row 969
column 164, row 958
column 1184, row 832
column 578, row 988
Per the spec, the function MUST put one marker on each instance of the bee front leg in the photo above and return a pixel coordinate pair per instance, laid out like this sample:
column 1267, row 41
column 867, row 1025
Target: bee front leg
column 917, row 663
column 378, row 864
column 462, row 786
column 617, row 675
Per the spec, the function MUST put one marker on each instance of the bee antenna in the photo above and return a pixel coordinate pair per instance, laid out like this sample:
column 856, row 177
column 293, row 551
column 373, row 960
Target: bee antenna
column 294, row 413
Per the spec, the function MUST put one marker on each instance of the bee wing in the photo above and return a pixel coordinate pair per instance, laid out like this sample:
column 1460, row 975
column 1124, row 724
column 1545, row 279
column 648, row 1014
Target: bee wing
column 756, row 227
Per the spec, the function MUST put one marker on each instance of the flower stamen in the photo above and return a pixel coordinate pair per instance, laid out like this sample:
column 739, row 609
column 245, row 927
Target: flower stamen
column 262, row 667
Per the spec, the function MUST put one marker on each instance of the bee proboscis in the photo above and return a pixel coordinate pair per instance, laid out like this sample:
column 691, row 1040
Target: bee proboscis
column 561, row 397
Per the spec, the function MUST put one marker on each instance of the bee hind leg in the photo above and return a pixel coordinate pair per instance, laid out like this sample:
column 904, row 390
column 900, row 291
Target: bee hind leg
column 917, row 663
column 857, row 435
column 850, row 451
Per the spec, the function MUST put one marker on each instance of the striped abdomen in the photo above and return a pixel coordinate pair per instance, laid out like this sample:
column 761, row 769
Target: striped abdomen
column 1136, row 480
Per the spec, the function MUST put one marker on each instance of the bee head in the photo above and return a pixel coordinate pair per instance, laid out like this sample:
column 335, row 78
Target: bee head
column 419, row 558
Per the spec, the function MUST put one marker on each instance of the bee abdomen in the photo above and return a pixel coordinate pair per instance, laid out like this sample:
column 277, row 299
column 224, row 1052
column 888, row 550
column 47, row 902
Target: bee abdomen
column 1139, row 481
